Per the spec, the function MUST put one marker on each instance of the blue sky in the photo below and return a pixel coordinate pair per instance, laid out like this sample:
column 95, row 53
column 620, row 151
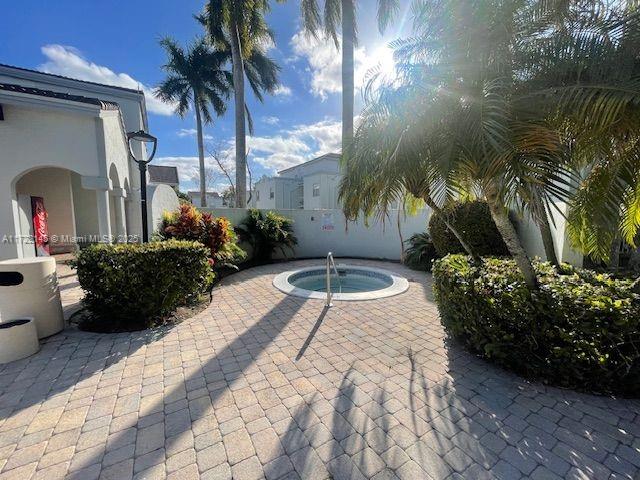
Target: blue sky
column 117, row 42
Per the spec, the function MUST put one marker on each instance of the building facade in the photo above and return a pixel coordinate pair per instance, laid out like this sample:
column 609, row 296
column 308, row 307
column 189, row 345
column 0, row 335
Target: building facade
column 64, row 153
column 312, row 185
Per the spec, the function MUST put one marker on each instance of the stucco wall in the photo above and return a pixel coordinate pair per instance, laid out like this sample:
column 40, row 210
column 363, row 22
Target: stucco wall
column 160, row 198
column 33, row 138
column 84, row 202
column 382, row 241
column 115, row 149
column 328, row 197
column 373, row 241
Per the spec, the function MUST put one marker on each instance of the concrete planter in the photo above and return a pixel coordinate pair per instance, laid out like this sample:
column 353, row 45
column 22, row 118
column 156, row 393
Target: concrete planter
column 29, row 288
column 18, row 339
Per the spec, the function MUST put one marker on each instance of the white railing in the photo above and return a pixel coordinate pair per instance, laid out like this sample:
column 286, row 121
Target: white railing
column 331, row 263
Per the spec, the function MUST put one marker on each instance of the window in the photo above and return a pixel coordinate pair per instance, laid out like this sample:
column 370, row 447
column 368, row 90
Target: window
column 258, row 195
column 271, row 194
column 316, row 190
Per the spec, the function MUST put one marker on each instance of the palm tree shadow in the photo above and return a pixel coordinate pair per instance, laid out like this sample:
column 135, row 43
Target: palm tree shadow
column 254, row 341
column 57, row 373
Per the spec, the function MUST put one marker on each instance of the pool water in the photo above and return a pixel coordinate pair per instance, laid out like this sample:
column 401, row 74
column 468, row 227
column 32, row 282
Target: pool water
column 351, row 281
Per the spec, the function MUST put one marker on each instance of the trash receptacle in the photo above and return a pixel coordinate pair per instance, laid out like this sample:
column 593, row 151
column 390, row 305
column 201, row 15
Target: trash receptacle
column 29, row 288
column 18, row 339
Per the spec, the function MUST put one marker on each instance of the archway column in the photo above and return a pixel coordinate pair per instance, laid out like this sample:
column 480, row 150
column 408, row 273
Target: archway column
column 101, row 187
column 119, row 195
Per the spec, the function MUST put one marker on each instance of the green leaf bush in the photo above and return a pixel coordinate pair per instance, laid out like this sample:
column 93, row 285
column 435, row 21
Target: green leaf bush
column 420, row 253
column 133, row 286
column 473, row 221
column 580, row 330
column 266, row 233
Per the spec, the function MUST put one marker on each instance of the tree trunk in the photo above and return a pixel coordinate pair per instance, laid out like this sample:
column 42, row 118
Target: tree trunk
column 634, row 260
column 203, row 186
column 348, row 40
column 510, row 237
column 614, row 256
column 241, row 141
column 542, row 220
column 431, row 204
column 635, row 286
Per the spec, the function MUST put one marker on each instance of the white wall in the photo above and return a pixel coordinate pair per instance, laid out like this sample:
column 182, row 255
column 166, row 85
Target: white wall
column 328, row 197
column 160, row 198
column 85, row 208
column 32, row 138
column 359, row 240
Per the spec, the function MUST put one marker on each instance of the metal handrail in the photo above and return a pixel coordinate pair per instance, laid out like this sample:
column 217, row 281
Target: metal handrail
column 330, row 263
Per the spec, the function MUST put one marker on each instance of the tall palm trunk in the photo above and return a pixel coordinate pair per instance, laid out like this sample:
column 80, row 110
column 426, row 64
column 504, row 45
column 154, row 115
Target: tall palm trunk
column 542, row 220
column 467, row 248
column 203, row 186
column 348, row 40
column 241, row 141
column 510, row 236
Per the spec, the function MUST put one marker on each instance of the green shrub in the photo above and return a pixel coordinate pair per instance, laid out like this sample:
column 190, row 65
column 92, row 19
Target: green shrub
column 420, row 253
column 473, row 221
column 579, row 330
column 266, row 234
column 132, row 286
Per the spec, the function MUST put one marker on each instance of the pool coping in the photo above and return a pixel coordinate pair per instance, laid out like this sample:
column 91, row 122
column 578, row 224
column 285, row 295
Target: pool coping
column 399, row 285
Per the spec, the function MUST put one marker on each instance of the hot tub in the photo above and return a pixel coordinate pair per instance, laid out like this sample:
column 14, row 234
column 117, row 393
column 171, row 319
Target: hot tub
column 351, row 284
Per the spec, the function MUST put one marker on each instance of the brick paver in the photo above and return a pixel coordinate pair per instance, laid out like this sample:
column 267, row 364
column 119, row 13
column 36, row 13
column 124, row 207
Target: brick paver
column 378, row 393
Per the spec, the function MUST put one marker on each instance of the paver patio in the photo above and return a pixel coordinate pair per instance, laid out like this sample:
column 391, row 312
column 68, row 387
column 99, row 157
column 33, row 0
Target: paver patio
column 266, row 385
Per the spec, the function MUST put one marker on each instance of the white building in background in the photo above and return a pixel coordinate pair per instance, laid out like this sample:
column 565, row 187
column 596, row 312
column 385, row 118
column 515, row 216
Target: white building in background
column 312, row 185
column 63, row 146
column 214, row 199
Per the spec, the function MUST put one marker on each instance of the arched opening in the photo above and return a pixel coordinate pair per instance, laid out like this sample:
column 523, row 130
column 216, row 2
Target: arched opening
column 55, row 213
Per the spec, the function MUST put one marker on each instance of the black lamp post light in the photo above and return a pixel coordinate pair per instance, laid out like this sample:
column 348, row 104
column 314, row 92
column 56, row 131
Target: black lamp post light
column 143, row 137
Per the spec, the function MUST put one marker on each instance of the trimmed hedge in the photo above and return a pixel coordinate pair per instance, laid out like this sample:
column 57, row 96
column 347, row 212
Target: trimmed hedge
column 473, row 221
column 579, row 330
column 132, row 286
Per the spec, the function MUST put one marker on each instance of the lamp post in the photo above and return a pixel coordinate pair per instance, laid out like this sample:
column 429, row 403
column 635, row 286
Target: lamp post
column 143, row 137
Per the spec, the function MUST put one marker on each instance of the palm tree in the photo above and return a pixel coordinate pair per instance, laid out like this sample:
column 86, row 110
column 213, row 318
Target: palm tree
column 238, row 27
column 342, row 13
column 196, row 79
column 500, row 97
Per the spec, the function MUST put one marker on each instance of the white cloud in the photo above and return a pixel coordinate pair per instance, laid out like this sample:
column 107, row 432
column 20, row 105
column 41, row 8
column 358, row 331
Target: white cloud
column 69, row 62
column 271, row 120
column 327, row 134
column 325, row 62
column 282, row 91
column 285, row 149
column 188, row 166
column 191, row 132
column 296, row 145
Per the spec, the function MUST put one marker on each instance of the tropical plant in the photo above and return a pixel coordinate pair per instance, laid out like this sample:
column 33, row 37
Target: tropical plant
column 196, row 79
column 420, row 253
column 342, row 14
column 498, row 98
column 266, row 234
column 215, row 233
column 238, row 28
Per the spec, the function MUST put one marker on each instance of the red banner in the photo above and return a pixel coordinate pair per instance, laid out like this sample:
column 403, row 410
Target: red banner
column 40, row 228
